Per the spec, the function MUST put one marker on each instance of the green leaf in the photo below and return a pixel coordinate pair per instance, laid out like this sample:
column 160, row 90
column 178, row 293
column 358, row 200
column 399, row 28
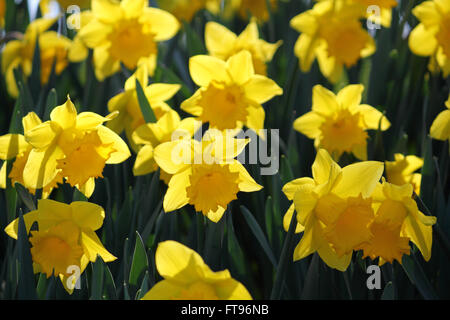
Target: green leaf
column 140, row 261
column 50, row 103
column 35, row 77
column 388, row 292
column 25, row 196
column 146, row 109
column 418, row 278
column 97, row 280
column 312, row 283
column 259, row 234
column 144, row 287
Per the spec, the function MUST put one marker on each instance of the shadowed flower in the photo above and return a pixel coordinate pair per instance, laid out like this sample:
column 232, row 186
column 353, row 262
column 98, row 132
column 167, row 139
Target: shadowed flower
column 66, row 144
column 335, row 208
column 430, row 37
column 223, row 43
column 183, row 10
column 230, row 93
column 397, row 221
column 126, row 103
column 187, row 277
column 401, row 171
column 45, row 5
column 440, row 128
column 126, row 32
column 66, row 238
column 338, row 123
column 205, row 174
column 19, row 53
column 331, row 33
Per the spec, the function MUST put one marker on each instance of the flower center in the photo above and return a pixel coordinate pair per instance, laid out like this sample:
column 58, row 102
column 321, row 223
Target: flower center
column 212, row 186
column 131, row 41
column 223, row 106
column 341, row 132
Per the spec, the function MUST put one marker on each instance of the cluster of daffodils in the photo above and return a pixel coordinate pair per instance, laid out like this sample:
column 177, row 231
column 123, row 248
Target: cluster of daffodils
column 69, row 147
column 341, row 210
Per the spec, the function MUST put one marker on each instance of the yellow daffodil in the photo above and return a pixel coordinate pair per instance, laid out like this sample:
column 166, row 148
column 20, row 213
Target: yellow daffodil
column 205, row 174
column 149, row 136
column 126, row 103
column 440, row 128
column 397, row 221
column 20, row 53
column 79, row 51
column 15, row 146
column 254, row 8
column 335, row 208
column 183, row 10
column 430, row 37
column 75, row 146
column 338, row 123
column 331, row 32
column 230, row 93
column 45, row 5
column 223, row 43
column 66, row 238
column 126, row 32
column 2, row 13
column 401, row 171
column 187, row 277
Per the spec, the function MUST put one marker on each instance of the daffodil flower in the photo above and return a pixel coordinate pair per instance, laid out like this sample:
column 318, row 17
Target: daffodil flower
column 76, row 146
column 183, row 10
column 66, row 238
column 149, row 136
column 254, row 8
column 335, row 208
column 430, row 37
column 401, row 171
column 126, row 103
column 45, row 5
column 440, row 128
column 15, row 146
column 331, row 32
column 397, row 221
column 19, row 53
column 205, row 174
column 126, row 32
column 223, row 43
column 187, row 277
column 338, row 123
column 230, row 93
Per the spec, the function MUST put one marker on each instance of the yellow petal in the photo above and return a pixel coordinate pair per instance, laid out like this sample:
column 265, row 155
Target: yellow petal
column 133, row 8
column 30, row 121
column 3, row 175
column 323, row 167
column 205, row 69
column 176, row 196
column 90, row 120
column 287, row 220
column 246, row 183
column 13, row 228
column 350, row 96
column 40, row 169
column 163, row 290
column 158, row 92
column 261, row 89
column 255, row 119
column 306, row 246
column 87, row 215
column 191, row 105
column 215, row 216
column 106, row 10
column 290, row 188
column 440, row 128
column 420, row 235
column 145, row 163
column 163, row 25
column 88, row 188
column 373, row 118
column 359, row 178
column 105, row 64
column 240, row 67
column 309, row 124
column 174, row 156
column 121, row 153
column 92, row 247
column 10, row 53
column 219, row 40
column 12, row 145
column 305, row 49
column 231, row 290
column 65, row 115
column 43, row 135
column 324, row 102
column 422, row 41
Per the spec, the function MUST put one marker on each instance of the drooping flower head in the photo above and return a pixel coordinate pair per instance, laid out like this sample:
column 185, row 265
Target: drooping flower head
column 126, row 32
column 65, row 238
column 15, row 146
column 401, row 171
column 223, row 43
column 19, row 53
column 334, row 208
column 331, row 32
column 126, row 103
column 205, row 173
column 338, row 123
column 76, row 146
column 430, row 37
column 187, row 277
column 440, row 128
column 150, row 135
column 230, row 93
column 397, row 221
